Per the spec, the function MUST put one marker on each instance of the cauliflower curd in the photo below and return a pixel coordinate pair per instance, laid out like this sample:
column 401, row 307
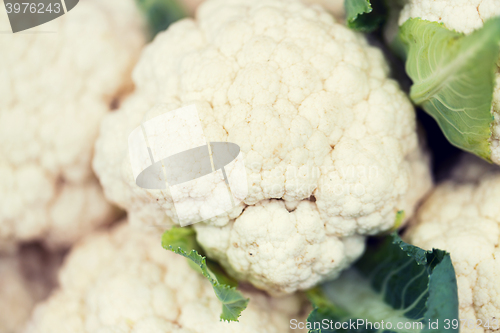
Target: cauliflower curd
column 56, row 83
column 122, row 280
column 462, row 216
column 462, row 16
column 330, row 143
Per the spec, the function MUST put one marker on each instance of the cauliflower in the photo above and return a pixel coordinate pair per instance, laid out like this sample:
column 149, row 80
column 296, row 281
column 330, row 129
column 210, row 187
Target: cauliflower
column 274, row 248
column 330, row 144
column 57, row 81
column 462, row 216
column 25, row 279
column 459, row 15
column 463, row 16
column 122, row 280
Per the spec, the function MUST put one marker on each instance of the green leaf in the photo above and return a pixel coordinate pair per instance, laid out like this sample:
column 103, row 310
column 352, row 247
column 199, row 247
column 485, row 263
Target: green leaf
column 185, row 238
column 183, row 242
column 161, row 13
column 453, row 78
column 394, row 283
column 362, row 16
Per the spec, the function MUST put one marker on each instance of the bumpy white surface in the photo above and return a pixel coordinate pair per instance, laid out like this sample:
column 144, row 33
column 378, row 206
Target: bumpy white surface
column 309, row 103
column 123, row 281
column 57, row 81
column 463, row 16
column 25, row 279
column 462, row 216
column 460, row 15
column 278, row 250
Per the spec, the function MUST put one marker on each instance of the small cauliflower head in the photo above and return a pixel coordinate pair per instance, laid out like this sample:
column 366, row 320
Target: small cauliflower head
column 57, row 81
column 279, row 250
column 122, row 280
column 329, row 141
column 463, row 16
column 26, row 278
column 462, row 216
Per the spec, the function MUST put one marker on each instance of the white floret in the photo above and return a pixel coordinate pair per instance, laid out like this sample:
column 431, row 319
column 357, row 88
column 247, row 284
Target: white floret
column 311, row 106
column 278, row 250
column 463, row 16
column 462, row 216
column 26, row 278
column 460, row 15
column 57, row 81
column 123, row 281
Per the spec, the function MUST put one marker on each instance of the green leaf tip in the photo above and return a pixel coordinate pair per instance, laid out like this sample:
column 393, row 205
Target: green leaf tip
column 361, row 15
column 393, row 282
column 182, row 241
column 454, row 78
column 160, row 14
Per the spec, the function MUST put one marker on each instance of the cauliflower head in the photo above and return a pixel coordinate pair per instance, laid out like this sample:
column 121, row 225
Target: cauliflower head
column 57, row 81
column 329, row 140
column 122, row 280
column 462, row 216
column 462, row 16
column 26, row 278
